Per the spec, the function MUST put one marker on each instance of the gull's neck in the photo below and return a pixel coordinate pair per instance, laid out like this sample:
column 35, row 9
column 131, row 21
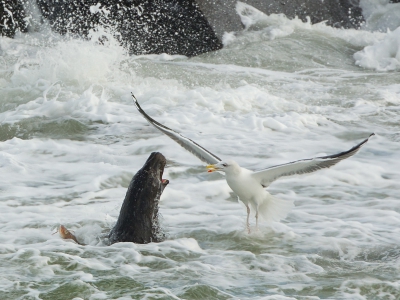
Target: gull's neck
column 234, row 170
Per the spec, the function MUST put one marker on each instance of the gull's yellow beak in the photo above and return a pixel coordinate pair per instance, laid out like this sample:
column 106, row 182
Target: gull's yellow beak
column 211, row 168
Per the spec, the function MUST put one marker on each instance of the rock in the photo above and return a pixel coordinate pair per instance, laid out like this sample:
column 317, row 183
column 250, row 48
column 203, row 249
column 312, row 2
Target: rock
column 186, row 27
column 150, row 26
column 12, row 16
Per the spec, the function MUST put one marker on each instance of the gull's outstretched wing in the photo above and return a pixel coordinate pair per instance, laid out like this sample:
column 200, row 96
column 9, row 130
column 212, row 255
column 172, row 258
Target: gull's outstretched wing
column 266, row 176
column 202, row 153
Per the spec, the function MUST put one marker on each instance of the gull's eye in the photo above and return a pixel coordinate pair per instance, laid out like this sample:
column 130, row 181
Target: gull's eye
column 225, row 165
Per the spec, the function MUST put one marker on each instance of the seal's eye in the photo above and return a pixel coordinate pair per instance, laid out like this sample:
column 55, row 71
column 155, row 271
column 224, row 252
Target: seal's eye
column 225, row 165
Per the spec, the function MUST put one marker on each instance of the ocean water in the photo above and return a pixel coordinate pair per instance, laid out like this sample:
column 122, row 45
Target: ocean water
column 281, row 90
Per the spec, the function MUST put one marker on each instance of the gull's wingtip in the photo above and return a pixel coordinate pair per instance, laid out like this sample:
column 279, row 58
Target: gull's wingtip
column 134, row 98
column 136, row 102
column 367, row 139
column 364, row 141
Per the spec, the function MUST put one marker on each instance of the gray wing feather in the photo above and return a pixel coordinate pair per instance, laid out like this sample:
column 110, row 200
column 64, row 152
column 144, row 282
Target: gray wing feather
column 194, row 148
column 303, row 166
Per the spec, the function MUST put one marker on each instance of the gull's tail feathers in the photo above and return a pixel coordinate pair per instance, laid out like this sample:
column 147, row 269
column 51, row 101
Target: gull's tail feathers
column 273, row 209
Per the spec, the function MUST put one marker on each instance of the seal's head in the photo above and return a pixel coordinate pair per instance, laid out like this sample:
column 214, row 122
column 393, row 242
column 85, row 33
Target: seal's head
column 156, row 163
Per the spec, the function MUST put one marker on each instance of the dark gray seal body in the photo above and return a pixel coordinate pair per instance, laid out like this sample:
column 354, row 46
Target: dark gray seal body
column 138, row 218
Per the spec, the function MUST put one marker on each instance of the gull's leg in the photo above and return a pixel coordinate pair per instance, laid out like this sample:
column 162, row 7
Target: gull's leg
column 257, row 219
column 248, row 215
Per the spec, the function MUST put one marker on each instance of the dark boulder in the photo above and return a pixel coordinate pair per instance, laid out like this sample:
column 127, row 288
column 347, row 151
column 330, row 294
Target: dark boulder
column 12, row 16
column 150, row 26
column 188, row 27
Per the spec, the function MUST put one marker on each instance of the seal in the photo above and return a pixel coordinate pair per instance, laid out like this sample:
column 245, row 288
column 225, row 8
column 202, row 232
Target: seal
column 138, row 218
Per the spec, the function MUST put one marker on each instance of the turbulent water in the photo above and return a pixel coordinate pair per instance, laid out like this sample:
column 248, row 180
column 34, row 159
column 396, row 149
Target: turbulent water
column 281, row 90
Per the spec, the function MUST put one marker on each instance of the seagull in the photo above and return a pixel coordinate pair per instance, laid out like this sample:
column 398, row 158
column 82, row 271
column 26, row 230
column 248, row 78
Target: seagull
column 249, row 185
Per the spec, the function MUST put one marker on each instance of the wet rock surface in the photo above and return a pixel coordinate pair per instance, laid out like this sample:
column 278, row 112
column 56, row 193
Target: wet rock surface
column 184, row 27
column 160, row 26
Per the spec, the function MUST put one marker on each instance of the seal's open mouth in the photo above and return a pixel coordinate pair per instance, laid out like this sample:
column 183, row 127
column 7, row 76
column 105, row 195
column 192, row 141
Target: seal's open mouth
column 163, row 181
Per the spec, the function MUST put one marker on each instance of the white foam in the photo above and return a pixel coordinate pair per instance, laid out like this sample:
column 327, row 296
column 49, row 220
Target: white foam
column 278, row 26
column 380, row 15
column 383, row 55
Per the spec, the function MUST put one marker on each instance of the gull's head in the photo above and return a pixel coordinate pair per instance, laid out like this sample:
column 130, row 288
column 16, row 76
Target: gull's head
column 227, row 166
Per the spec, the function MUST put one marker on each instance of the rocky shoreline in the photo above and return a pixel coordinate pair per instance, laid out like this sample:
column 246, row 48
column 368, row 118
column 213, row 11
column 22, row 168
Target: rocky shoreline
column 184, row 27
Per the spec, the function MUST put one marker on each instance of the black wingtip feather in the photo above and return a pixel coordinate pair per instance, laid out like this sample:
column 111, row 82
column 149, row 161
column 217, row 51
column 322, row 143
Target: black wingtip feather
column 351, row 151
column 146, row 116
